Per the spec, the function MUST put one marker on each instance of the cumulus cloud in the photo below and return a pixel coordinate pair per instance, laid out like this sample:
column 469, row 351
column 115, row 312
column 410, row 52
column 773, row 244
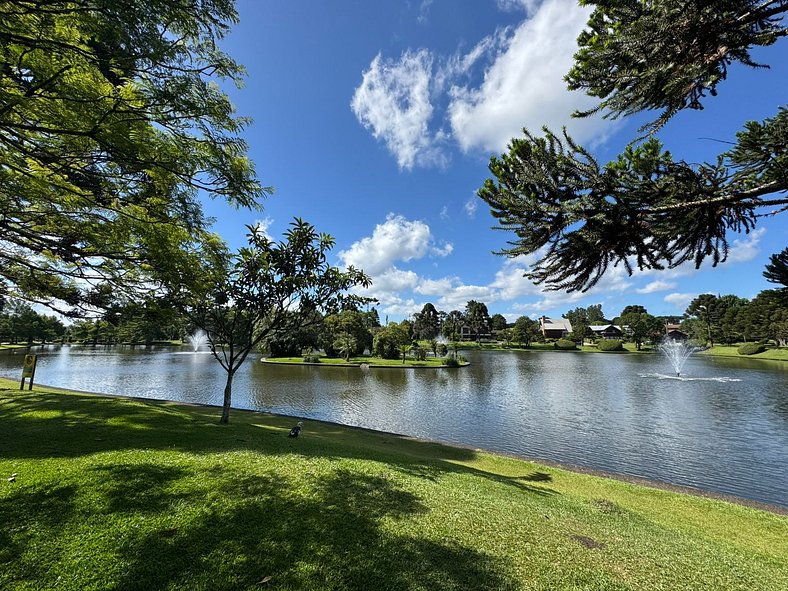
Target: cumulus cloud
column 417, row 103
column 263, row 225
column 680, row 300
column 397, row 239
column 657, row 285
column 745, row 249
column 393, row 103
column 524, row 86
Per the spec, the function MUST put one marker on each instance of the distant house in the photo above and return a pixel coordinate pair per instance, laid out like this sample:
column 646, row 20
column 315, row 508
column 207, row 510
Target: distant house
column 554, row 328
column 606, row 331
column 673, row 333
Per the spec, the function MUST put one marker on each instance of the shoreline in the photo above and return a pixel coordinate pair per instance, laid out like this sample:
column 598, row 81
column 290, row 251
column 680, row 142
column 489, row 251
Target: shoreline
column 574, row 468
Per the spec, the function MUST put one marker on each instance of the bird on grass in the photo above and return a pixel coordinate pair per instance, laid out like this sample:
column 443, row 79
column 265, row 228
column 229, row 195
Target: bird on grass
column 296, row 430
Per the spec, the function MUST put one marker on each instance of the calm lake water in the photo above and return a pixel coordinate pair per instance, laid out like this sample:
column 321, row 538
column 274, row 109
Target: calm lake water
column 724, row 429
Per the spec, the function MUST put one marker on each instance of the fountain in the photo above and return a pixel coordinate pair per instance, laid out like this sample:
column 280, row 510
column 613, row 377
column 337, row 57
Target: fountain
column 677, row 353
column 197, row 339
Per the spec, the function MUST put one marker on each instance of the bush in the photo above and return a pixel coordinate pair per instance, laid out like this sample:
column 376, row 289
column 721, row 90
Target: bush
column 442, row 349
column 565, row 345
column 452, row 361
column 751, row 349
column 311, row 358
column 610, row 345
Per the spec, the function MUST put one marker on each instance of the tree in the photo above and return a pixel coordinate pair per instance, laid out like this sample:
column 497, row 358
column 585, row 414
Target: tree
column 578, row 318
column 477, row 317
column 595, row 315
column 498, row 322
column 426, row 323
column 452, row 325
column 777, row 268
column 389, row 339
column 770, row 311
column 266, row 288
column 525, row 330
column 111, row 123
column 641, row 325
column 704, row 308
column 644, row 209
column 346, row 345
column 347, row 322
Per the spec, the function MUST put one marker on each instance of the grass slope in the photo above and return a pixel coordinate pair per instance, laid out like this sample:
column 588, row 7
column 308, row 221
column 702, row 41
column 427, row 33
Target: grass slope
column 772, row 354
column 123, row 494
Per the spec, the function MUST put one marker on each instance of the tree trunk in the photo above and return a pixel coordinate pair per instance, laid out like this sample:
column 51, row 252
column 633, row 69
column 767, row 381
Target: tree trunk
column 228, row 395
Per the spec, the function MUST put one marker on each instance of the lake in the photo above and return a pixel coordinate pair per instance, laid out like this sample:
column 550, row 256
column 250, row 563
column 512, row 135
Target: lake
column 723, row 429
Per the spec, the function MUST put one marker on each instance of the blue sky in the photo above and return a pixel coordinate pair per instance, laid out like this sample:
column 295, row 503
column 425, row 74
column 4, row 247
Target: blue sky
column 375, row 121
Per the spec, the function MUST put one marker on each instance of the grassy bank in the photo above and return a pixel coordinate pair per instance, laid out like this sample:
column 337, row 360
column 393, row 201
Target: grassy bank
column 471, row 346
column 773, row 354
column 121, row 494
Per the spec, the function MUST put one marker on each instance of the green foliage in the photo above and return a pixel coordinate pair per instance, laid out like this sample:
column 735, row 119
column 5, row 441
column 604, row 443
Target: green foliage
column 565, row 345
column 525, row 331
column 19, row 323
column 451, row 361
column 311, row 358
column 350, row 323
column 777, row 269
column 452, row 325
column 389, row 339
column 751, row 349
column 644, row 209
column 112, row 125
column 641, row 325
column 266, row 288
column 648, row 56
column 498, row 322
column 441, row 350
column 610, row 345
column 477, row 317
column 426, row 324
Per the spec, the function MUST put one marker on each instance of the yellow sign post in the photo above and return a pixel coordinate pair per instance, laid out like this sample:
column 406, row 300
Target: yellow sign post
column 28, row 371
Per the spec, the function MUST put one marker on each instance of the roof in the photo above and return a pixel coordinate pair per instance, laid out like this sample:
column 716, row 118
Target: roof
column 555, row 324
column 603, row 327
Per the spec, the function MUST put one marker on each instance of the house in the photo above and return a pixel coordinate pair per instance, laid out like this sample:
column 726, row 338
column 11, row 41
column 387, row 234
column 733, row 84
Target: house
column 607, row 331
column 673, row 333
column 554, row 328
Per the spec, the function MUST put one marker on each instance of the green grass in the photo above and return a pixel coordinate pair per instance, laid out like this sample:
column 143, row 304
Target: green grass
column 773, row 354
column 373, row 361
column 124, row 494
column 9, row 346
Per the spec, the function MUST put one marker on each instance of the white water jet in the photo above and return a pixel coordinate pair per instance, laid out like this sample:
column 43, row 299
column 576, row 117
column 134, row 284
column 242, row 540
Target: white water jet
column 197, row 339
column 677, row 353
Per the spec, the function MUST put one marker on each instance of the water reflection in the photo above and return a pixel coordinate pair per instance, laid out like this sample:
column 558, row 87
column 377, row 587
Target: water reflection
column 591, row 410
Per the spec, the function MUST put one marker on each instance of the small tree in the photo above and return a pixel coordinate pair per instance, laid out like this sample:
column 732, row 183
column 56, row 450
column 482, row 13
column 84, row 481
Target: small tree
column 345, row 344
column 404, row 350
column 265, row 288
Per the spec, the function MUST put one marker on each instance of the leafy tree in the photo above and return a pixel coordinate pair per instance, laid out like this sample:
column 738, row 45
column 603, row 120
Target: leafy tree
column 498, row 322
column 111, row 123
column 595, row 315
column 525, row 330
column 347, row 322
column 477, row 317
column 506, row 335
column 292, row 343
column 644, row 209
column 705, row 309
column 426, row 323
column 578, row 318
column 641, row 326
column 452, row 325
column 265, row 288
column 346, row 345
column 777, row 268
column 389, row 339
column 769, row 309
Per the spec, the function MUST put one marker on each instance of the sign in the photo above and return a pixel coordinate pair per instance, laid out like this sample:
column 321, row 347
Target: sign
column 28, row 371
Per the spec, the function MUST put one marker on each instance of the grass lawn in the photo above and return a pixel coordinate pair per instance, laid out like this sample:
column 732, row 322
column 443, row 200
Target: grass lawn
column 9, row 346
column 122, row 494
column 774, row 354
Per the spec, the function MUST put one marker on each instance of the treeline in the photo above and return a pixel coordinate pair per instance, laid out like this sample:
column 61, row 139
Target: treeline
column 128, row 323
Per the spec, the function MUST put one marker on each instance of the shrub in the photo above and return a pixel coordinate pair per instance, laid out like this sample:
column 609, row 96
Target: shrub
column 451, row 362
column 311, row 358
column 565, row 345
column 751, row 349
column 610, row 345
column 442, row 349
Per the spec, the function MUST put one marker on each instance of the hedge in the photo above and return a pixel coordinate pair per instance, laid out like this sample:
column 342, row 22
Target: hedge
column 610, row 345
column 751, row 349
column 565, row 345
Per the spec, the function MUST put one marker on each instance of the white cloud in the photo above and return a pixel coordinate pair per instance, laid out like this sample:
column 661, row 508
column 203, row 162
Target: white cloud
column 470, row 208
column 445, row 212
column 393, row 102
column 657, row 285
column 263, row 225
column 745, row 249
column 680, row 300
column 397, row 239
column 433, row 287
column 424, row 12
column 524, row 87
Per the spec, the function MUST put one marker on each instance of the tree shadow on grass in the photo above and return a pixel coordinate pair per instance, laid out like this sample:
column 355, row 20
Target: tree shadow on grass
column 330, row 535
column 28, row 516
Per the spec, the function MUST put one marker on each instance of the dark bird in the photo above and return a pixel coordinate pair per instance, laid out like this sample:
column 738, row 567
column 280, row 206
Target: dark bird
column 296, row 430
